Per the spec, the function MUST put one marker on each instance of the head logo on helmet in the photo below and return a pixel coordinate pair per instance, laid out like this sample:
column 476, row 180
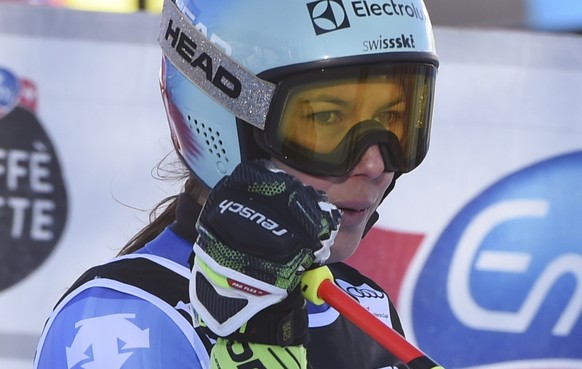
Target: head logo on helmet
column 328, row 16
column 187, row 48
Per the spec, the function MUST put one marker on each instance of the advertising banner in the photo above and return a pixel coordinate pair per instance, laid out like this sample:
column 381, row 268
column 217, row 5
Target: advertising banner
column 480, row 247
column 82, row 129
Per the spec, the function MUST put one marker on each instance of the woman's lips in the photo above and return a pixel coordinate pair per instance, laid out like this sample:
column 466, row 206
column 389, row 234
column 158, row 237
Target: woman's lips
column 354, row 214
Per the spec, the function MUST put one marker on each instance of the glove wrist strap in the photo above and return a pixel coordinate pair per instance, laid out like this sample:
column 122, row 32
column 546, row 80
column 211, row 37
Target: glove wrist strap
column 282, row 324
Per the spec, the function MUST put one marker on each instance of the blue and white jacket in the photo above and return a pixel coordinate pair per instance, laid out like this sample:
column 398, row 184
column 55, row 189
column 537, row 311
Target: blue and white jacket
column 134, row 313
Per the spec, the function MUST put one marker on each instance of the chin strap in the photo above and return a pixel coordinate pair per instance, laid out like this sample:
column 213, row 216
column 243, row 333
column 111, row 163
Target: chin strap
column 374, row 218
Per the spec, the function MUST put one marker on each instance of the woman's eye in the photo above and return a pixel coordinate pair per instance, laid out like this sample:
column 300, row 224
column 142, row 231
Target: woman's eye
column 325, row 117
column 388, row 117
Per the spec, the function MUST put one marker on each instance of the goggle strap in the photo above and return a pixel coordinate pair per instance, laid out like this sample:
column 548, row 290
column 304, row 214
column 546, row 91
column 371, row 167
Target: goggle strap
column 212, row 70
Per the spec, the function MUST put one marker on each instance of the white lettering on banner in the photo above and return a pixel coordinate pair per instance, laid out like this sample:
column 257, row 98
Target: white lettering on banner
column 39, row 211
column 464, row 306
column 20, row 169
column 19, row 165
column 102, row 335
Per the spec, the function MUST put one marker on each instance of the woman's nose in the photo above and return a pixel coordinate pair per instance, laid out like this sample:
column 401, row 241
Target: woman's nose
column 371, row 164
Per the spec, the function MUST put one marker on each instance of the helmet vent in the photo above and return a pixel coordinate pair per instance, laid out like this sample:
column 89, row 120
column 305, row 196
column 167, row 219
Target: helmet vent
column 211, row 138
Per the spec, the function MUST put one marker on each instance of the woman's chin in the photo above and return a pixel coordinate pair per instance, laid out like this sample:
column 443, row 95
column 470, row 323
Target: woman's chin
column 345, row 244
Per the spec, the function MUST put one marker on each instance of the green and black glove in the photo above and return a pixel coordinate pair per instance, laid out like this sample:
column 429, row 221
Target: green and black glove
column 260, row 229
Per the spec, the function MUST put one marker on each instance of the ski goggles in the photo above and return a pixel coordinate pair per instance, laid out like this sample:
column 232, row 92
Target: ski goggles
column 322, row 122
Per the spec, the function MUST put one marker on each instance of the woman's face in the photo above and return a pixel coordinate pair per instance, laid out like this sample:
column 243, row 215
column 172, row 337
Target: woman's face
column 317, row 119
column 357, row 195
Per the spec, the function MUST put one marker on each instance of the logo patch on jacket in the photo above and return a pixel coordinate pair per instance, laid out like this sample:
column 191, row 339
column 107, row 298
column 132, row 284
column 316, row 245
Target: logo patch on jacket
column 373, row 300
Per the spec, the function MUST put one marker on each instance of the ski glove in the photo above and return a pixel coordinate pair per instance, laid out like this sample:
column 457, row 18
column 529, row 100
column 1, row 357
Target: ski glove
column 258, row 231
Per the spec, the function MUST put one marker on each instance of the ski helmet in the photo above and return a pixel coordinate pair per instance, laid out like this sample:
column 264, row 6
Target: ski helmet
column 235, row 72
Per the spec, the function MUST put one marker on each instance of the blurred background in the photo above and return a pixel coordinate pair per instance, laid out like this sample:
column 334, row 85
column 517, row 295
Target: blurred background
column 543, row 15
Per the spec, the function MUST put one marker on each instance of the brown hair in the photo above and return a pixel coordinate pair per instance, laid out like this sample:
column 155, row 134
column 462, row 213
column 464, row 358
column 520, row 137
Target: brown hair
column 163, row 214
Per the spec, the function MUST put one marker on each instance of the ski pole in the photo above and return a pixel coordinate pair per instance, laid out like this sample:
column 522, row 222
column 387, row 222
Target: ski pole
column 318, row 287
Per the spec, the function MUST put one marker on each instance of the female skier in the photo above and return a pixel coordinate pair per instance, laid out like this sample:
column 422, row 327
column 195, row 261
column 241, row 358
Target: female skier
column 293, row 120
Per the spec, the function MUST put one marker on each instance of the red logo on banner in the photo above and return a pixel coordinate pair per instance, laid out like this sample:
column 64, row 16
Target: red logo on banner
column 384, row 256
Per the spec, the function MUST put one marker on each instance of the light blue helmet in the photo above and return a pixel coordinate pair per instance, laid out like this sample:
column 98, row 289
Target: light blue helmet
column 224, row 60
